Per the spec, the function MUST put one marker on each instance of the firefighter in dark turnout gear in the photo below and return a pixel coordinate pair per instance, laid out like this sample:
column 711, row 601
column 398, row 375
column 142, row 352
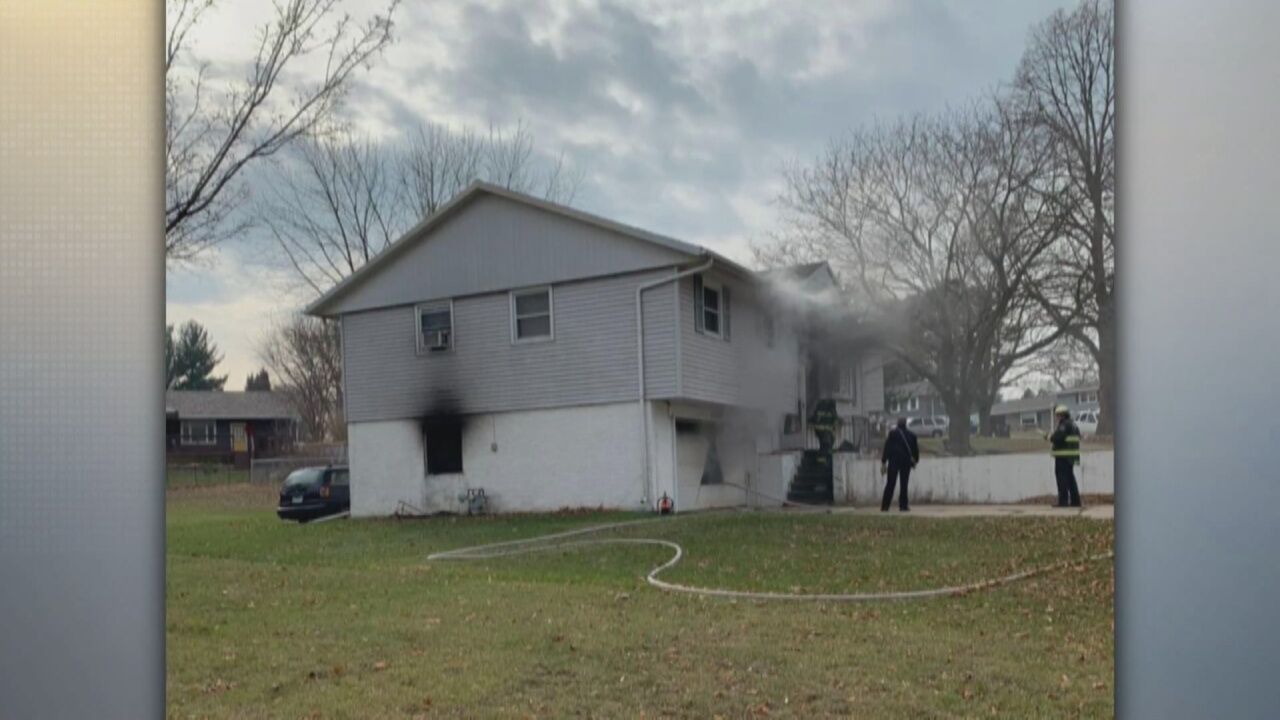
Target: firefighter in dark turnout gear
column 901, row 453
column 1066, row 455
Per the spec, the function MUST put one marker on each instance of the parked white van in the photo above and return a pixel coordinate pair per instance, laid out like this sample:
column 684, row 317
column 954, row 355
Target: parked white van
column 1087, row 421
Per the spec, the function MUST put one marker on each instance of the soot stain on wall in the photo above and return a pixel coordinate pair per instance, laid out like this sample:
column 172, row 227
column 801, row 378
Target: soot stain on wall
column 442, row 427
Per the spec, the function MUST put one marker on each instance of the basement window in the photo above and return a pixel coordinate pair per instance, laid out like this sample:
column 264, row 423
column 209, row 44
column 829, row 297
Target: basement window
column 531, row 315
column 435, row 327
column 443, row 441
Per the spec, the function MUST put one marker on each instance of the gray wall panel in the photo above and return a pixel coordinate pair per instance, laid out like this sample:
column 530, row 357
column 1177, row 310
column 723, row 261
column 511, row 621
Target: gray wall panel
column 592, row 358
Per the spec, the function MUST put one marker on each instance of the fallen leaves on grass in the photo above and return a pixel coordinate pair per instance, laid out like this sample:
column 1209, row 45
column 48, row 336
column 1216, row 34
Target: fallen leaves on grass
column 218, row 686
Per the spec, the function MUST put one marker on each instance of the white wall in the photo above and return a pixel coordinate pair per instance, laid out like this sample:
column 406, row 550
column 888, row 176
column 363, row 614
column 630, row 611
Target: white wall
column 386, row 466
column 775, row 471
column 544, row 460
column 977, row 479
column 662, row 452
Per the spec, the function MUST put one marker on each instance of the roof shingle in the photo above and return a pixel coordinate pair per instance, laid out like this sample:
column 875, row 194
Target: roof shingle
column 217, row 404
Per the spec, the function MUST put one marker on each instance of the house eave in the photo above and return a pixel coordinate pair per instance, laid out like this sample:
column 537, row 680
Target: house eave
column 324, row 306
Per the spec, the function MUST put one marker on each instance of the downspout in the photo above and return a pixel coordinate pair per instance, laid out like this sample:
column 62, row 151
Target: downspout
column 644, row 415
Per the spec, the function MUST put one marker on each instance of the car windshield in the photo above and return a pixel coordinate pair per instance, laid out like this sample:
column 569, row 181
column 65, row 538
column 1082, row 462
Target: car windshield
column 303, row 478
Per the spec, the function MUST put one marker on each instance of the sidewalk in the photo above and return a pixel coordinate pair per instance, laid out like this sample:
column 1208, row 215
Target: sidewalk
column 1095, row 512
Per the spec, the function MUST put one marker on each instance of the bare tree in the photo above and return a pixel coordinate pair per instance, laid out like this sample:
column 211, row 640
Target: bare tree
column 1066, row 82
column 336, row 199
column 439, row 162
column 1067, row 363
column 334, row 205
column 305, row 354
column 941, row 224
column 216, row 126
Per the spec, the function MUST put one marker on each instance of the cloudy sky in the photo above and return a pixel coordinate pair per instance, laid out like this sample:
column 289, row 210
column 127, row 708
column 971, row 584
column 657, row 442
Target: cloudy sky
column 679, row 115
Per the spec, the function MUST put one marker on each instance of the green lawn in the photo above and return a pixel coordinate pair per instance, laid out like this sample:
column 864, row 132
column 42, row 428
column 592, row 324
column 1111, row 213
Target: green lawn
column 347, row 619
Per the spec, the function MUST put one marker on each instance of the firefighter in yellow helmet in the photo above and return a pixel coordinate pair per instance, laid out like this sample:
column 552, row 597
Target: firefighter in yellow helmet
column 1066, row 455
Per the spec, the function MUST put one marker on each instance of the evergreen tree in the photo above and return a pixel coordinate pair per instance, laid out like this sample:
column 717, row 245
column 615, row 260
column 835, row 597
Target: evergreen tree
column 258, row 381
column 194, row 357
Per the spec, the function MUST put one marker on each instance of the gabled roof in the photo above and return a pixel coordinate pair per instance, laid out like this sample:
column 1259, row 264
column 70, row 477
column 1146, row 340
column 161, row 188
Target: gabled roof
column 218, row 405
column 1021, row 405
column 422, row 231
column 1042, row 402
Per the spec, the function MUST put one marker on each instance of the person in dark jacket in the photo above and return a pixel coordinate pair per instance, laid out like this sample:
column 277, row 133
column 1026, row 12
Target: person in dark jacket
column 1066, row 455
column 901, row 453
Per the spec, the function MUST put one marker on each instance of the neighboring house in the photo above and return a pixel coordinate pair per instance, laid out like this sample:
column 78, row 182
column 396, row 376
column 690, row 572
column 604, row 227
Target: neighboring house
column 912, row 400
column 228, row 426
column 1036, row 413
column 558, row 359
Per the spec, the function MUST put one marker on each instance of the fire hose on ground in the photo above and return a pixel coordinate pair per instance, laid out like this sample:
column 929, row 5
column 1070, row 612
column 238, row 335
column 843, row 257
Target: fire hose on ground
column 562, row 540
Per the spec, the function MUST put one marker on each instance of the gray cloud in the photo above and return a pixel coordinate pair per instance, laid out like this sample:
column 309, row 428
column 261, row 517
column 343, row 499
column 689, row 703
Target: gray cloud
column 682, row 114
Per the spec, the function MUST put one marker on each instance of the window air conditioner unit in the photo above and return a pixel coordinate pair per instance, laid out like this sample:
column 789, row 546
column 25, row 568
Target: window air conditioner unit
column 438, row 340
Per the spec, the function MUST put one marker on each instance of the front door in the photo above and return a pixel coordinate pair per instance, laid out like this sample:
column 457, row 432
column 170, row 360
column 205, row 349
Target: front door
column 239, row 438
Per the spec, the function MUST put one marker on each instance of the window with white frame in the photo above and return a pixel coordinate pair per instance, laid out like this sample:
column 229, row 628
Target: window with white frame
column 711, row 307
column 435, row 327
column 531, row 315
column 199, row 432
column 913, row 403
column 1028, row 419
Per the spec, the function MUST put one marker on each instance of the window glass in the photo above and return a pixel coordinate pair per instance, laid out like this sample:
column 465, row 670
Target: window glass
column 199, row 432
column 304, row 478
column 711, row 322
column 533, row 327
column 436, row 320
column 710, row 298
column 711, row 310
column 436, row 328
column 533, row 314
column 533, row 304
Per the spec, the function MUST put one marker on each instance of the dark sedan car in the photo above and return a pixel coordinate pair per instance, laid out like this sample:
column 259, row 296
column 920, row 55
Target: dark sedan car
column 315, row 492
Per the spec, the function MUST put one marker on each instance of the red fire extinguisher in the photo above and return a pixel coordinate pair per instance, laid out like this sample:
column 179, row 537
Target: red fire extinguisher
column 665, row 505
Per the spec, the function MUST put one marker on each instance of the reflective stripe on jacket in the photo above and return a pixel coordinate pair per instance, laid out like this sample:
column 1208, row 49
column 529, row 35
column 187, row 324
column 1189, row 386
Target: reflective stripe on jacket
column 1066, row 441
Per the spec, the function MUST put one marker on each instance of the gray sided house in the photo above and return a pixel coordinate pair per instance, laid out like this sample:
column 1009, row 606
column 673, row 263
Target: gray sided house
column 553, row 358
column 228, row 426
column 1036, row 413
column 912, row 400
